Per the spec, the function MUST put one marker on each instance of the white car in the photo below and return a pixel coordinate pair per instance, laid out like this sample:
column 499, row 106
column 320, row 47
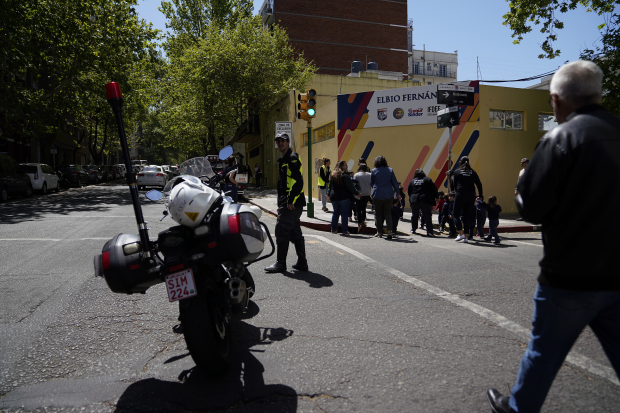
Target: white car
column 152, row 175
column 123, row 169
column 42, row 177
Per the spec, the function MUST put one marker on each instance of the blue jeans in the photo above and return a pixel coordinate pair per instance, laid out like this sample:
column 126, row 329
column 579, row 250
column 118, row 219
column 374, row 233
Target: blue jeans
column 493, row 223
column 341, row 209
column 559, row 317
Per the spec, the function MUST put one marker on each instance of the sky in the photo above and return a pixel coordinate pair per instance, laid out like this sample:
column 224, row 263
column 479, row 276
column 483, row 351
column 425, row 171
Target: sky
column 475, row 29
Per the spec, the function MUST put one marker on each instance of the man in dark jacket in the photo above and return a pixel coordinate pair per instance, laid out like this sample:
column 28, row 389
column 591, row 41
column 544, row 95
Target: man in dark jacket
column 422, row 195
column 579, row 281
column 291, row 201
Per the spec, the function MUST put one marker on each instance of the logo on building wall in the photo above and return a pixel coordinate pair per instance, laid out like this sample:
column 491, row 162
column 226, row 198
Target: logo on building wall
column 416, row 112
column 398, row 113
column 382, row 114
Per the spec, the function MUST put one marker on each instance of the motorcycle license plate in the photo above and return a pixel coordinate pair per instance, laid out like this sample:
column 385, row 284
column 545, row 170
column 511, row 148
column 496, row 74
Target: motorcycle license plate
column 180, row 285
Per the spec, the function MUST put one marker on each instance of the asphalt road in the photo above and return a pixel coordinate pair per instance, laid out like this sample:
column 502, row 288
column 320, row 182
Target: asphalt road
column 409, row 325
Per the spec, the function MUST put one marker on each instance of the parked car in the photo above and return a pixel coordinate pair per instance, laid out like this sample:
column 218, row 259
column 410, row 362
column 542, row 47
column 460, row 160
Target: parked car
column 123, row 169
column 94, row 173
column 168, row 171
column 75, row 174
column 152, row 175
column 13, row 180
column 110, row 172
column 42, row 177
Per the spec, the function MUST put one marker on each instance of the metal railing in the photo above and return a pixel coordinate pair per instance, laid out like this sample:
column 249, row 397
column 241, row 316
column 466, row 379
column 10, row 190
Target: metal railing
column 266, row 9
column 434, row 72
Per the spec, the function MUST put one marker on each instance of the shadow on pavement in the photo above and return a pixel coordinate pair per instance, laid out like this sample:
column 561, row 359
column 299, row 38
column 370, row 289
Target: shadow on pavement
column 313, row 279
column 87, row 200
column 241, row 389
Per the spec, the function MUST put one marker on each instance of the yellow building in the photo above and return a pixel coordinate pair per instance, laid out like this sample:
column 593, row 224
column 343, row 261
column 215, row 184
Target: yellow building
column 502, row 127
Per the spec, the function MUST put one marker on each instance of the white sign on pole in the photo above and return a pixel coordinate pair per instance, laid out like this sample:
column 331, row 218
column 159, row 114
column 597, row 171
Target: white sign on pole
column 285, row 127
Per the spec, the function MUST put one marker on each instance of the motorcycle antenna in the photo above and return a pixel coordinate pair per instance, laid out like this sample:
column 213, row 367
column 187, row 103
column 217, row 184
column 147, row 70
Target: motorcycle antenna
column 115, row 99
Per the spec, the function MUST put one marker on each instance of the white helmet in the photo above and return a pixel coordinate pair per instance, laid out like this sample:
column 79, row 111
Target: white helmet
column 190, row 200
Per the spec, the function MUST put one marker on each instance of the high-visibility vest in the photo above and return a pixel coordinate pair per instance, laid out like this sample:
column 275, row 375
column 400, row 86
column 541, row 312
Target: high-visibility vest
column 321, row 181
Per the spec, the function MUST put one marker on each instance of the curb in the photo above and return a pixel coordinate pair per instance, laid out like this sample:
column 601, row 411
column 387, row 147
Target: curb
column 372, row 231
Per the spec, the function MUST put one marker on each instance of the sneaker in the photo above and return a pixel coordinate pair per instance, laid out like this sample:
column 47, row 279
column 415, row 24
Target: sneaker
column 325, row 209
column 389, row 235
column 487, row 239
column 412, row 231
column 497, row 243
column 379, row 235
column 465, row 241
column 334, row 232
column 459, row 238
column 346, row 233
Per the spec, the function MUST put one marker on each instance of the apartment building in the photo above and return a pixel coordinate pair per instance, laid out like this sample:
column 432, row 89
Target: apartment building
column 334, row 34
column 431, row 68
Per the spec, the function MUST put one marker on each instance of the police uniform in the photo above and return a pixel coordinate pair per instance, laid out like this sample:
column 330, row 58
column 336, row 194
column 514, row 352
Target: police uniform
column 288, row 229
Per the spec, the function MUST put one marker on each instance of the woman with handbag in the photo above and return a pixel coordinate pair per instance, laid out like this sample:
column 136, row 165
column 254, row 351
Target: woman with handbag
column 340, row 190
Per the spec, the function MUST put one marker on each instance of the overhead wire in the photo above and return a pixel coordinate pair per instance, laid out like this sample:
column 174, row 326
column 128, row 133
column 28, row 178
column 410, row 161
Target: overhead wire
column 521, row 80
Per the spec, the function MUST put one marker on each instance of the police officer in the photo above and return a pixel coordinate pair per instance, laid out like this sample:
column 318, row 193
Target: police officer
column 324, row 174
column 291, row 201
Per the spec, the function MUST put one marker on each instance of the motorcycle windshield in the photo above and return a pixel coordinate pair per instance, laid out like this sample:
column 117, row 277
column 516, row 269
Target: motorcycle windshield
column 190, row 171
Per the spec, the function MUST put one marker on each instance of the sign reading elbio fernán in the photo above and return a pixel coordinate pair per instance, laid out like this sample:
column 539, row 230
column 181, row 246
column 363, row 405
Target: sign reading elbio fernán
column 393, row 107
column 286, row 127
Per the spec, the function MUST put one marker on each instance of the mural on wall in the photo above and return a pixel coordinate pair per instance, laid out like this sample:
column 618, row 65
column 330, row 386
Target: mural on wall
column 360, row 114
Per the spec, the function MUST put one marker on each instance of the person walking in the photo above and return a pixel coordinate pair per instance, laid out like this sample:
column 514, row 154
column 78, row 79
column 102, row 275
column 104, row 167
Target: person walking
column 363, row 180
column 291, row 201
column 481, row 216
column 384, row 186
column 579, row 281
column 340, row 190
column 230, row 184
column 422, row 196
column 324, row 173
column 524, row 163
column 258, row 174
column 464, row 181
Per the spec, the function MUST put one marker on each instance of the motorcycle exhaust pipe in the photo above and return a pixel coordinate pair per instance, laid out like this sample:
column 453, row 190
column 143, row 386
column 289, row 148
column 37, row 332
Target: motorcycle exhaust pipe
column 236, row 289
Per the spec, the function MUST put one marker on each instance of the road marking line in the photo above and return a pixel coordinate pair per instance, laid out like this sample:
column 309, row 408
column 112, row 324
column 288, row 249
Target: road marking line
column 29, row 239
column 574, row 358
column 527, row 243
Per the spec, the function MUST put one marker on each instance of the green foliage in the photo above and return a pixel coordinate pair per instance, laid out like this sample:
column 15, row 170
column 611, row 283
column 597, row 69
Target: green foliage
column 56, row 56
column 524, row 12
column 608, row 59
column 215, row 81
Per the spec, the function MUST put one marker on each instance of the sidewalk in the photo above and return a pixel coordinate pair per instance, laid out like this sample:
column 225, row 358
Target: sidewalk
column 266, row 200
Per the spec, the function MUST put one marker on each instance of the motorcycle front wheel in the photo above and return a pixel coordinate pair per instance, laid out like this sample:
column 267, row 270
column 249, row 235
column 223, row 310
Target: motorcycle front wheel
column 206, row 328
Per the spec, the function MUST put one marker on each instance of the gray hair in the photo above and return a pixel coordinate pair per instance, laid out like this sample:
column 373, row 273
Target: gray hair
column 578, row 82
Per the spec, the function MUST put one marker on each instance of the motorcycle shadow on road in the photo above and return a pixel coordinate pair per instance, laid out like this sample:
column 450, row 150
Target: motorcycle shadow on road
column 241, row 388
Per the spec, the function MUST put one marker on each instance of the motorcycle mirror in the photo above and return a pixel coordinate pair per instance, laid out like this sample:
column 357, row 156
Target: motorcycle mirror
column 226, row 152
column 154, row 195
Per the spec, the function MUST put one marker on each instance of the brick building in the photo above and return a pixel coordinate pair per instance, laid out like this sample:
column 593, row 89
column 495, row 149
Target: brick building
column 344, row 31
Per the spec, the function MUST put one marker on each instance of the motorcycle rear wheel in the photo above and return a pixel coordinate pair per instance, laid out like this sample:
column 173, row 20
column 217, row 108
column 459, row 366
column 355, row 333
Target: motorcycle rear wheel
column 206, row 330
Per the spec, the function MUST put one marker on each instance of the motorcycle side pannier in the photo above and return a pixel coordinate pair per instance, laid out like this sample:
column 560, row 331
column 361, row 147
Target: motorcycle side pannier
column 119, row 263
column 241, row 233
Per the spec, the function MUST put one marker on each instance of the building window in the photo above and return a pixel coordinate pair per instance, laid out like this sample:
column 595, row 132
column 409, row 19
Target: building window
column 443, row 70
column 416, row 68
column 504, row 119
column 429, row 69
column 321, row 134
column 255, row 152
column 546, row 121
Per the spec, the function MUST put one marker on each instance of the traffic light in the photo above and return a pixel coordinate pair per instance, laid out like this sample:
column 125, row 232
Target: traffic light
column 306, row 105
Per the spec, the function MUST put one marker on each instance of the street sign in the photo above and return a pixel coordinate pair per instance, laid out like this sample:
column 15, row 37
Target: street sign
column 53, row 150
column 448, row 117
column 286, row 127
column 455, row 95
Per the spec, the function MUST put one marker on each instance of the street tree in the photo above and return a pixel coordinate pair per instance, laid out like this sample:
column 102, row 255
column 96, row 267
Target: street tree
column 231, row 72
column 545, row 13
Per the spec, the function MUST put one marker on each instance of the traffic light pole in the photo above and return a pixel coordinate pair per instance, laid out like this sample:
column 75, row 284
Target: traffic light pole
column 310, row 205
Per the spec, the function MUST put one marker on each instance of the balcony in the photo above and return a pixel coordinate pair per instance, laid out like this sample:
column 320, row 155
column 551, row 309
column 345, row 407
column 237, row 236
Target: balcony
column 434, row 72
column 266, row 12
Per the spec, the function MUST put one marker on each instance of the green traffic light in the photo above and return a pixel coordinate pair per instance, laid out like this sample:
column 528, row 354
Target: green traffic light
column 311, row 112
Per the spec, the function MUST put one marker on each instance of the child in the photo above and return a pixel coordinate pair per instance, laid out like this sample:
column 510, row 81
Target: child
column 396, row 211
column 439, row 206
column 493, row 209
column 481, row 216
column 448, row 207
